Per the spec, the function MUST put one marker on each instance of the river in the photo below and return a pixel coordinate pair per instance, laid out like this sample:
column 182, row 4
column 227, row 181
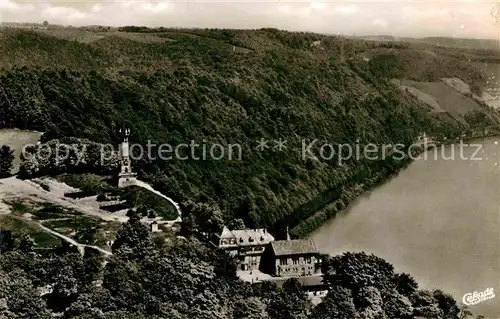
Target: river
column 438, row 220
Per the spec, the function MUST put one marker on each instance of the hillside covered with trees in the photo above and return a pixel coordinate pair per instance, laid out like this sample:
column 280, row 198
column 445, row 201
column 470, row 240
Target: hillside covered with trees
column 181, row 279
column 235, row 87
column 225, row 87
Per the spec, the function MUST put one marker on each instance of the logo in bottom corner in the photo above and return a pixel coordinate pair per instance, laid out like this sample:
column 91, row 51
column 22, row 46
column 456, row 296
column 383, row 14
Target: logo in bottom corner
column 473, row 298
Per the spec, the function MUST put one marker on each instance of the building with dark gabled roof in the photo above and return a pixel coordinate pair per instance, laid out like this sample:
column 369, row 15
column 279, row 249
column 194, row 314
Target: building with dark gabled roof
column 293, row 247
column 292, row 258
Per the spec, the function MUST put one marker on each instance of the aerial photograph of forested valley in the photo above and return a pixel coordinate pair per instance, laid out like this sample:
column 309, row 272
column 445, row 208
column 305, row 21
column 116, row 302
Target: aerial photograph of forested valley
column 249, row 159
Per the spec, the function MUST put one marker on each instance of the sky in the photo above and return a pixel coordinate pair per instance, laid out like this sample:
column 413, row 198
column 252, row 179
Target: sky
column 470, row 19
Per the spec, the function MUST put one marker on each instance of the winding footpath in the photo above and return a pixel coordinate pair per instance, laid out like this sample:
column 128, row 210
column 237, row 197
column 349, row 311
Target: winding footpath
column 15, row 188
column 151, row 189
column 80, row 247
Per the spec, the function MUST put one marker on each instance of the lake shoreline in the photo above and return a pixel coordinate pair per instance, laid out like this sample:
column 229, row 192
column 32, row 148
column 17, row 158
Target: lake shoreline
column 349, row 195
column 437, row 220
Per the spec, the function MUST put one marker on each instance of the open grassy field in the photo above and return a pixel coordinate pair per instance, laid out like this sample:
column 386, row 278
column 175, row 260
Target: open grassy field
column 50, row 211
column 449, row 99
column 144, row 201
column 17, row 139
column 90, row 183
column 19, row 227
column 83, row 229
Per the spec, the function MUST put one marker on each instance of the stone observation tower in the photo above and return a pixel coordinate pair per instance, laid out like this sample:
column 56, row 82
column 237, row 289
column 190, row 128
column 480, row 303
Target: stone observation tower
column 126, row 177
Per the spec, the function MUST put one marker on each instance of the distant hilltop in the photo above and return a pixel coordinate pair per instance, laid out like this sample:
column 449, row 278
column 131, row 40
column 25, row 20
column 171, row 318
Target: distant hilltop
column 485, row 44
column 24, row 25
column 45, row 26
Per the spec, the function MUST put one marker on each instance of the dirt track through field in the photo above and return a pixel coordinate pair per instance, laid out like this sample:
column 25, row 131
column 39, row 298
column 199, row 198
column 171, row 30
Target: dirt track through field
column 13, row 188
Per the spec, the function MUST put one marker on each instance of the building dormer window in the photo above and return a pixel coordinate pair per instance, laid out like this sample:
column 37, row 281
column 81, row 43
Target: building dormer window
column 250, row 239
column 241, row 240
column 261, row 238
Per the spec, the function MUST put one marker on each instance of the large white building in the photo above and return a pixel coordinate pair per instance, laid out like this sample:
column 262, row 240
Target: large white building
column 247, row 245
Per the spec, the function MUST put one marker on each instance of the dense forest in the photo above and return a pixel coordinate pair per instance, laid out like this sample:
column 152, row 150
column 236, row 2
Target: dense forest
column 232, row 87
column 181, row 279
column 219, row 87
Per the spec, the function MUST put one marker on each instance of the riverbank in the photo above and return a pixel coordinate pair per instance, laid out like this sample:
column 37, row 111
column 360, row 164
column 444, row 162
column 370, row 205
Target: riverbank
column 437, row 220
column 347, row 197
column 350, row 194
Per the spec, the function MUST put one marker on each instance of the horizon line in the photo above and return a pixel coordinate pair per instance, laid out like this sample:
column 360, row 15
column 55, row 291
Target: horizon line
column 342, row 34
